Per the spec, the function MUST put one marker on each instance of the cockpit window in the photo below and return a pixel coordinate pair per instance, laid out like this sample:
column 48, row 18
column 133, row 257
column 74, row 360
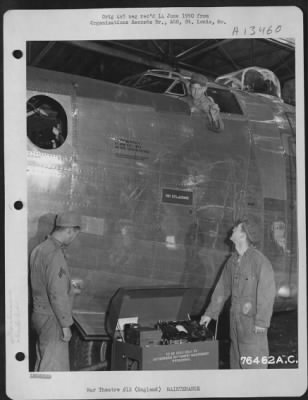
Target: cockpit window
column 225, row 99
column 155, row 84
column 177, row 89
column 46, row 122
column 175, row 85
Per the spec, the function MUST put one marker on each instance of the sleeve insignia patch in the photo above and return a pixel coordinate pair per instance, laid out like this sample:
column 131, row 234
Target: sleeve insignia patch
column 61, row 272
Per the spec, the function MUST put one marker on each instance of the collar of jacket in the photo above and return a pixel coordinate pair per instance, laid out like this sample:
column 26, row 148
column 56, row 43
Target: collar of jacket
column 56, row 242
column 249, row 249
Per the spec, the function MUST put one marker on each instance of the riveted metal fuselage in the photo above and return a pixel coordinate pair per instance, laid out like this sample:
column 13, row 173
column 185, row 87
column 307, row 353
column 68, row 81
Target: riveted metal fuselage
column 157, row 190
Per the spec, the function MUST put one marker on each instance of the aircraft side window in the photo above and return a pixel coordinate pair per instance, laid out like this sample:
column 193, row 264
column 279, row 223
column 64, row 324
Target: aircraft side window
column 178, row 89
column 46, row 122
column 154, row 84
column 226, row 100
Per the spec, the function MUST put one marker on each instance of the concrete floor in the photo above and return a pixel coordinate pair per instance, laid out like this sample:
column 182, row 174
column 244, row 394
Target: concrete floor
column 282, row 338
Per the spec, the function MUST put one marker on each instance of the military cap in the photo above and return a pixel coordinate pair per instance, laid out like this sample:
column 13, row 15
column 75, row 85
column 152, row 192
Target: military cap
column 198, row 78
column 68, row 219
column 251, row 228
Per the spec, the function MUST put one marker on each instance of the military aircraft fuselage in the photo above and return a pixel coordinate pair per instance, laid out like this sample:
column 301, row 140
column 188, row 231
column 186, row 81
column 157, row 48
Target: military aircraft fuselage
column 157, row 190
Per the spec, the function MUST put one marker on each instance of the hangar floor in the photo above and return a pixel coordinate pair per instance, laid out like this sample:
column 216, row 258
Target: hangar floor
column 283, row 343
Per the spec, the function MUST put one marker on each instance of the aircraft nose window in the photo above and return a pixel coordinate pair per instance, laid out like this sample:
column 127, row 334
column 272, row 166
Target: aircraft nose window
column 46, row 122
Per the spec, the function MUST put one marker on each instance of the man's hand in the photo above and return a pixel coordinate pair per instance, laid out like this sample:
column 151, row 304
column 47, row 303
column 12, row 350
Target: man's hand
column 67, row 334
column 259, row 329
column 76, row 286
column 214, row 111
column 194, row 109
column 205, row 320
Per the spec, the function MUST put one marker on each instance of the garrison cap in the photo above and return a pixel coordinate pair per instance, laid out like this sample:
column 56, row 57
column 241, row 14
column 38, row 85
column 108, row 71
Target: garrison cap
column 198, row 78
column 251, row 227
column 68, row 219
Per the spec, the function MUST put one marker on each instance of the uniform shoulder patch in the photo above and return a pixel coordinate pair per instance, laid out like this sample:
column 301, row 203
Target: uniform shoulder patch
column 61, row 272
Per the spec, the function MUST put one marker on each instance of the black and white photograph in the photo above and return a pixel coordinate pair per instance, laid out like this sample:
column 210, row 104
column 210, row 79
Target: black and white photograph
column 157, row 187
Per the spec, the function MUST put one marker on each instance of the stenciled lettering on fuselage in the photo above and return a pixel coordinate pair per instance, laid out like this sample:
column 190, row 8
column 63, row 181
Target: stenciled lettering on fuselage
column 175, row 196
column 127, row 148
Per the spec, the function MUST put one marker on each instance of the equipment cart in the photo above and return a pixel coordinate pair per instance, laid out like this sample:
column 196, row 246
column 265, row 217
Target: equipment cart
column 151, row 330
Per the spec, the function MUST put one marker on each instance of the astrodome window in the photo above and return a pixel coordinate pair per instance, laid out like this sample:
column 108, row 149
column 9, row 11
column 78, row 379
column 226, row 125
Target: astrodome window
column 253, row 79
column 46, row 122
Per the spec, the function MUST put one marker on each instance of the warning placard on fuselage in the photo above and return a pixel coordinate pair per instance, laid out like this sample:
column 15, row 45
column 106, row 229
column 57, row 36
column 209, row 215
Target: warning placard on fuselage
column 176, row 196
column 132, row 149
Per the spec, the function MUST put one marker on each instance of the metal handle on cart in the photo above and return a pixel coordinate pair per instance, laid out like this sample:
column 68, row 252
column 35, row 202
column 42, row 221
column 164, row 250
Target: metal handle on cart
column 216, row 329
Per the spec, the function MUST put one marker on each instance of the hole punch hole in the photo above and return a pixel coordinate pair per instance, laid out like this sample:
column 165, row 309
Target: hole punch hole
column 20, row 356
column 17, row 54
column 18, row 205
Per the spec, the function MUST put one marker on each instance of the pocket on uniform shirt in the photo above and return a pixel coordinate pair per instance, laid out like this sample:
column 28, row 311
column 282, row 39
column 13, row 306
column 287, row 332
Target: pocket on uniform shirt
column 249, row 284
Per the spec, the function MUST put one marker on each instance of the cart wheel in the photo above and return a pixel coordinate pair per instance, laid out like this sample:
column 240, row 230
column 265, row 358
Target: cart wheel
column 85, row 354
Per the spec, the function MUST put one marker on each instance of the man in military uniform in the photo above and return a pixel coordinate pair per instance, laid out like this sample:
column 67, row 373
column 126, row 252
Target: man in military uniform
column 200, row 102
column 249, row 279
column 53, row 295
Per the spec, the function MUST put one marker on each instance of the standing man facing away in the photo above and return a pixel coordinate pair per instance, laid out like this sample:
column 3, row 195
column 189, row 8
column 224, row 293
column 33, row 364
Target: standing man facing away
column 53, row 295
column 248, row 278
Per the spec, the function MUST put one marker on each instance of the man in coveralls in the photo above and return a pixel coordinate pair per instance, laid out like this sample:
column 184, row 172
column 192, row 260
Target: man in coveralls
column 200, row 102
column 248, row 277
column 53, row 295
